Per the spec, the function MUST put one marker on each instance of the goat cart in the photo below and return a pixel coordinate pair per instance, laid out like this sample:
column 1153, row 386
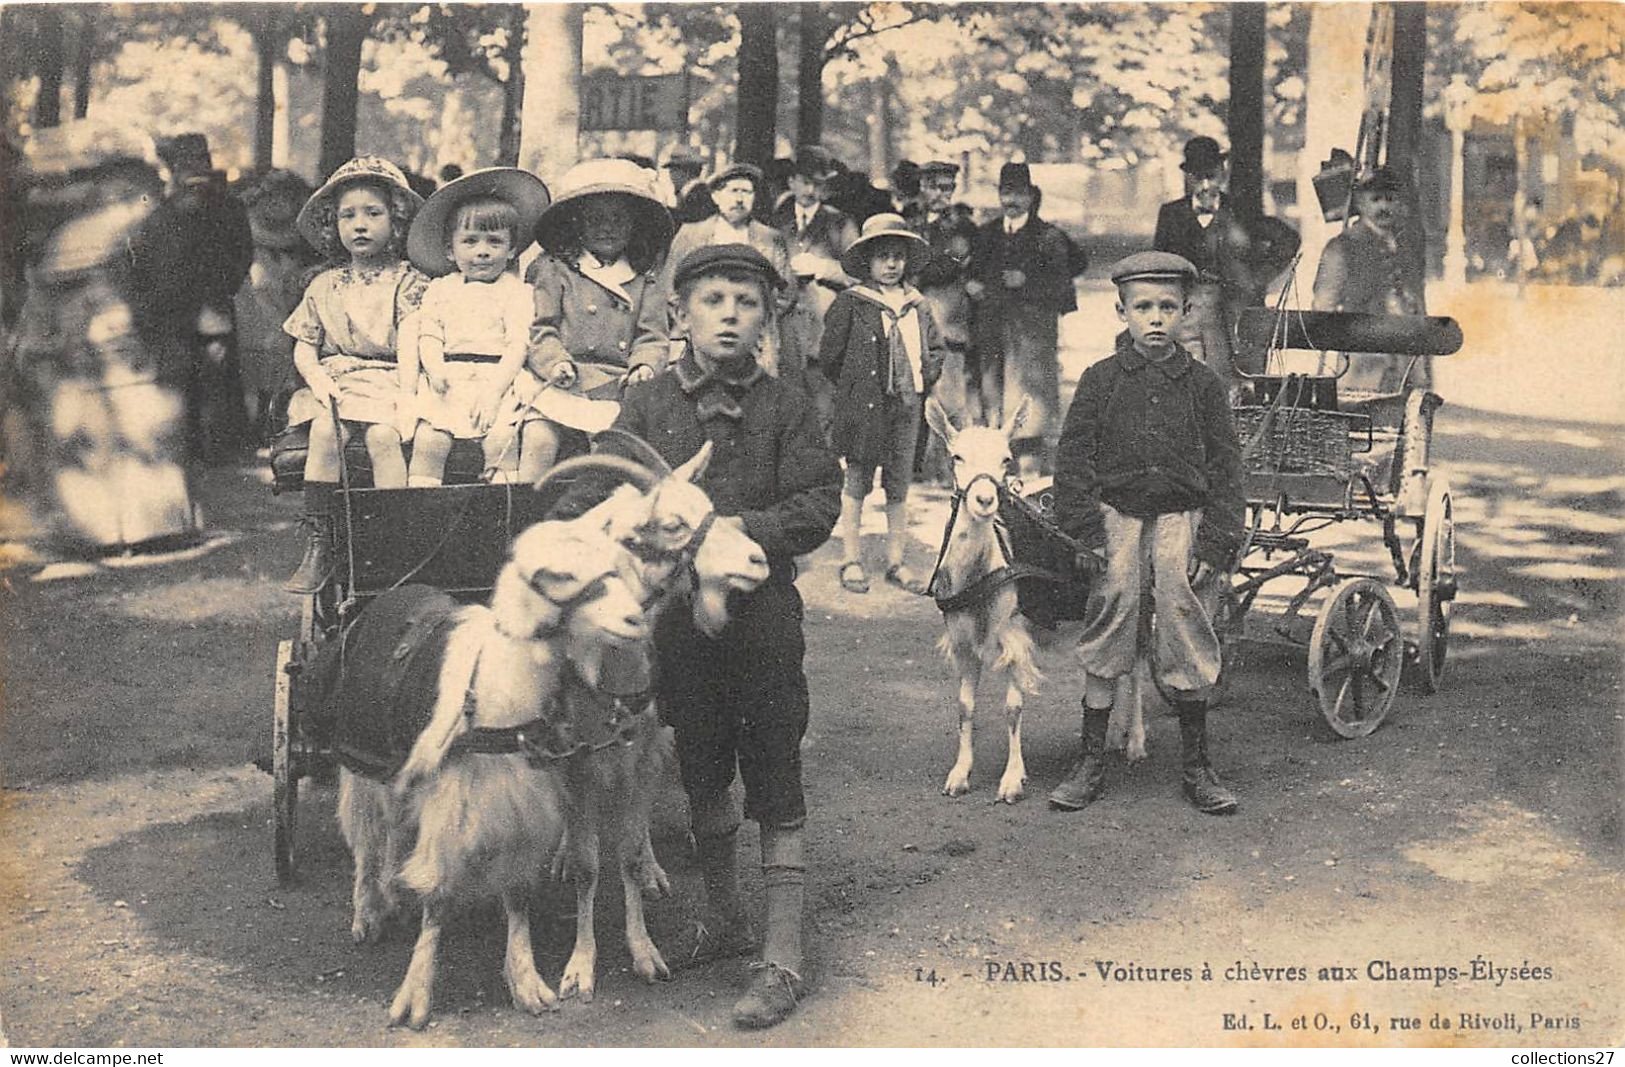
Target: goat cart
column 455, row 538
column 1315, row 453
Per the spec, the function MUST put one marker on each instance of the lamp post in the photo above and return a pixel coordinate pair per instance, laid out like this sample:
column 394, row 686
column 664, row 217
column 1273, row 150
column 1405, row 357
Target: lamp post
column 1458, row 96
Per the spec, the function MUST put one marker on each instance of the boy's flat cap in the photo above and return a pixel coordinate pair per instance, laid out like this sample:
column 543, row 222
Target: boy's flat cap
column 938, row 166
column 1159, row 266
column 715, row 259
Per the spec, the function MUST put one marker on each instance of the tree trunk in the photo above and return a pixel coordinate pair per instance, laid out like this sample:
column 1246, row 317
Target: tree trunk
column 550, row 118
column 513, row 90
column 1405, row 122
column 812, row 36
column 267, row 35
column 1246, row 110
column 48, row 56
column 84, row 53
column 341, row 75
column 758, row 83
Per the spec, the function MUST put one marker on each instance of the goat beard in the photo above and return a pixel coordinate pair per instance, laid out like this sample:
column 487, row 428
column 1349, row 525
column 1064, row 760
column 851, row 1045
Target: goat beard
column 710, row 610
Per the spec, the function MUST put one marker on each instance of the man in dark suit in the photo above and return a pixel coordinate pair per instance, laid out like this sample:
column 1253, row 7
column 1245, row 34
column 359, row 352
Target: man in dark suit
column 1236, row 257
column 942, row 281
column 1020, row 285
column 818, row 235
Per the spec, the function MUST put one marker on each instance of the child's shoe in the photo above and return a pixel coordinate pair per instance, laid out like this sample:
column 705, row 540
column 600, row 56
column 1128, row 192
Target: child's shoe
column 772, row 997
column 316, row 568
column 1202, row 787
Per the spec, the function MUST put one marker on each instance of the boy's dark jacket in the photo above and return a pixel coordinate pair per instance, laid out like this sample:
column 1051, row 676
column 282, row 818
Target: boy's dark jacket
column 769, row 464
column 855, row 354
column 1151, row 439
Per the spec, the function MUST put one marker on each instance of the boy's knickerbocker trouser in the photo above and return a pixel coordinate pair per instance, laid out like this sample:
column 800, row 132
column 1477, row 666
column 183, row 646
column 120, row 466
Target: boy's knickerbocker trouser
column 1156, row 549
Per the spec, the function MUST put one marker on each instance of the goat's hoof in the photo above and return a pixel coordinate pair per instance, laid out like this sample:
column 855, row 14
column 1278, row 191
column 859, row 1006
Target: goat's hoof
column 650, row 966
column 1011, row 796
column 577, row 982
column 531, row 994
column 957, row 785
column 654, row 882
column 410, row 1006
column 1135, row 752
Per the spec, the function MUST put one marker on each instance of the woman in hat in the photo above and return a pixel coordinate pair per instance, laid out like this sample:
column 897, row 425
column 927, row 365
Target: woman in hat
column 346, row 333
column 600, row 322
column 882, row 348
column 271, row 292
column 475, row 320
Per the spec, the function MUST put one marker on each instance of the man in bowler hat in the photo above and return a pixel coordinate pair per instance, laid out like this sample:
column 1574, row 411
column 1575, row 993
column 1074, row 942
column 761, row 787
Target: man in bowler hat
column 1236, row 258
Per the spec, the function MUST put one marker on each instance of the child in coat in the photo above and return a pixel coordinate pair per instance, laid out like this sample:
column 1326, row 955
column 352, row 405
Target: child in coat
column 883, row 350
column 475, row 321
column 599, row 321
column 346, row 332
column 1148, row 477
column 738, row 701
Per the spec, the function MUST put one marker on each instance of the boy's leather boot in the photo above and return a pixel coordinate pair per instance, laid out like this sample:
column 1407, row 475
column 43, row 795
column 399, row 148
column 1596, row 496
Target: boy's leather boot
column 1202, row 786
column 1087, row 781
column 317, row 566
column 776, row 984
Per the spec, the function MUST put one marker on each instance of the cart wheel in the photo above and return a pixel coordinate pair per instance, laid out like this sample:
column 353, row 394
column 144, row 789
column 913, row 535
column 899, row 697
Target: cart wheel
column 284, row 773
column 1355, row 656
column 1435, row 586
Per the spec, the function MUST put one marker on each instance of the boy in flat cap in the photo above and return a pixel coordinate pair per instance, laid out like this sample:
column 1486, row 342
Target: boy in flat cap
column 739, row 699
column 1148, row 477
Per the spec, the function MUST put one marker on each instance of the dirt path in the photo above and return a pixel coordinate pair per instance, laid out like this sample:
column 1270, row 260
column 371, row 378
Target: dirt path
column 139, row 907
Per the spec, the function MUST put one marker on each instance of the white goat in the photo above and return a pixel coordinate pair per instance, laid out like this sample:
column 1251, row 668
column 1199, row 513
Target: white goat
column 488, row 821
column 990, row 633
column 669, row 526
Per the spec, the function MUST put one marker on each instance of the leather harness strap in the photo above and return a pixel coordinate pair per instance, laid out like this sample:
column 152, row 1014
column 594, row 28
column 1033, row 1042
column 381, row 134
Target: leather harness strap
column 983, row 589
column 613, row 721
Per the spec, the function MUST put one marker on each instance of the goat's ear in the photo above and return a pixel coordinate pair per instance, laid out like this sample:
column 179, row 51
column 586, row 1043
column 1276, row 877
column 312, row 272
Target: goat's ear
column 936, row 417
column 695, row 468
column 1019, row 419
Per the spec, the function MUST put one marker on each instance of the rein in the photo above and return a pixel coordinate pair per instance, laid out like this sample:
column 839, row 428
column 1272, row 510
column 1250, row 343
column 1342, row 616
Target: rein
column 985, row 587
column 612, row 721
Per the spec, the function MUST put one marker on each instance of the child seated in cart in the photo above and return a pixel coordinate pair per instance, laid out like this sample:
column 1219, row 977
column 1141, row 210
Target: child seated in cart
column 1148, row 477
column 475, row 321
column 346, row 331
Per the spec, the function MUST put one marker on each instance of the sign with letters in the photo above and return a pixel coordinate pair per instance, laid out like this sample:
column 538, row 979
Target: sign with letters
column 633, row 102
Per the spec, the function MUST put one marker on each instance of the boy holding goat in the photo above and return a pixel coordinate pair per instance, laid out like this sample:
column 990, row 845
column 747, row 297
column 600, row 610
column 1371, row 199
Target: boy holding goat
column 1148, row 477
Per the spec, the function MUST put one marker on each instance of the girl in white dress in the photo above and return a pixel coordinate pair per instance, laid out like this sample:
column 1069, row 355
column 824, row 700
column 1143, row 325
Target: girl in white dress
column 475, row 321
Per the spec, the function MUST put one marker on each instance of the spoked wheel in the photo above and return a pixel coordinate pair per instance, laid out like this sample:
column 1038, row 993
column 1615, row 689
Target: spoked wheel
column 1435, row 586
column 284, row 770
column 1355, row 655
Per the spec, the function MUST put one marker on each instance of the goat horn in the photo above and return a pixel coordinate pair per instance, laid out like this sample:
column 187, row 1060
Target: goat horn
column 640, row 476
column 644, row 452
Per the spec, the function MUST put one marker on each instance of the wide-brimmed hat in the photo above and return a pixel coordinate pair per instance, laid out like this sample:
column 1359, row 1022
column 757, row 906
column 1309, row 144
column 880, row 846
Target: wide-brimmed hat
column 1202, row 156
column 652, row 222
column 1015, row 176
column 522, row 190
column 273, row 203
column 939, row 166
column 361, row 168
column 739, row 170
column 855, row 260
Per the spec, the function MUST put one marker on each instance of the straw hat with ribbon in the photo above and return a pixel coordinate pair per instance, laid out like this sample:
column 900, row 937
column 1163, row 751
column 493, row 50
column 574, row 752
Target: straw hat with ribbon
column 855, row 260
column 522, row 190
column 652, row 226
column 359, row 169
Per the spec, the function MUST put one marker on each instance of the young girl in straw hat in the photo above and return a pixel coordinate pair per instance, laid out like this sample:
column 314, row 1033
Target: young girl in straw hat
column 476, row 314
column 600, row 316
column 346, row 332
